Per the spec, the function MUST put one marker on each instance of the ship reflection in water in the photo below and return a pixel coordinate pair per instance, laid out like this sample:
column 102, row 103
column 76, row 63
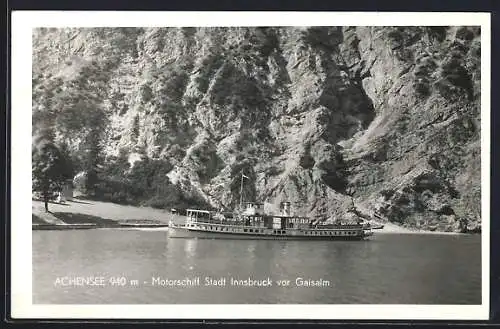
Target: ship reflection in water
column 145, row 267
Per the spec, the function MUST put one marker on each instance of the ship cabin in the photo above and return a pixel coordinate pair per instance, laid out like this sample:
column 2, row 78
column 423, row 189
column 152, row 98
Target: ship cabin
column 195, row 215
column 255, row 216
column 253, row 208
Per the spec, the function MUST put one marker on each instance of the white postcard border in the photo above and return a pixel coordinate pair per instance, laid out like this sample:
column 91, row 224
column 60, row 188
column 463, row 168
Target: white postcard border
column 21, row 232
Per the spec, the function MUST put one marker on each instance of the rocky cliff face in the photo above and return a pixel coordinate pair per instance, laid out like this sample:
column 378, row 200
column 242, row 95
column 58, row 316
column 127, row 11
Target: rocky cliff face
column 389, row 115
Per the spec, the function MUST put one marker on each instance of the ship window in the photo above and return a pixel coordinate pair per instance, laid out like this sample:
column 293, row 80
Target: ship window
column 244, row 230
column 250, row 230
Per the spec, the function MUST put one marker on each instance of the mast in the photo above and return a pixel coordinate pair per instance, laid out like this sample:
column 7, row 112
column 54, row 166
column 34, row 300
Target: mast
column 241, row 191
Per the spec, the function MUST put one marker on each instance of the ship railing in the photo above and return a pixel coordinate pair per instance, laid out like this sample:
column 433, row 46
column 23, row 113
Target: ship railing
column 220, row 222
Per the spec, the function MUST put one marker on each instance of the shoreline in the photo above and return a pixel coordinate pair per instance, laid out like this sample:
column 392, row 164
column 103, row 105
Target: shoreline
column 89, row 214
column 390, row 228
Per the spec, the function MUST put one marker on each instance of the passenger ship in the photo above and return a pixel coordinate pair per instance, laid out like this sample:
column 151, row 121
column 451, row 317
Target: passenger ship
column 253, row 223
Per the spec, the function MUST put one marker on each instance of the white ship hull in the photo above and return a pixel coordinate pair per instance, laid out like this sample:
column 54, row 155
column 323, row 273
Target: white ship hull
column 218, row 231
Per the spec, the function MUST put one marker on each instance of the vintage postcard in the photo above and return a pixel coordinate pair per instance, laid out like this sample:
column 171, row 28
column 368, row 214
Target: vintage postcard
column 250, row 165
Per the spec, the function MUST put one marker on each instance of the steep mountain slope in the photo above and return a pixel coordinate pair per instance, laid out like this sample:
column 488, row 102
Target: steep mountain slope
column 390, row 115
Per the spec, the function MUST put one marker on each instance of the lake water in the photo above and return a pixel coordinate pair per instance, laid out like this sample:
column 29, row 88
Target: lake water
column 145, row 267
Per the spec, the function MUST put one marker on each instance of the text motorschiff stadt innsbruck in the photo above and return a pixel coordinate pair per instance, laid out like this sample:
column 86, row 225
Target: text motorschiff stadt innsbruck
column 102, row 281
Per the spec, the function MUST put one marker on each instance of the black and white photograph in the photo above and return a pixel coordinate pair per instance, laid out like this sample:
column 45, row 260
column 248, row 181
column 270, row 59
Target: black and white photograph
column 294, row 164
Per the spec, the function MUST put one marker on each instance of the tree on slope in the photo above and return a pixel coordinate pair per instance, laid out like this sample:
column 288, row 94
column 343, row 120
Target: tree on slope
column 48, row 170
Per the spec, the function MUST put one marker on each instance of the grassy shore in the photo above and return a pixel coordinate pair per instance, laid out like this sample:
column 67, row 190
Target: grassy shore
column 96, row 213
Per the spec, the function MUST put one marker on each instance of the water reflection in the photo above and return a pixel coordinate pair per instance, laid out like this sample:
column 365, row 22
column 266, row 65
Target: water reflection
column 389, row 269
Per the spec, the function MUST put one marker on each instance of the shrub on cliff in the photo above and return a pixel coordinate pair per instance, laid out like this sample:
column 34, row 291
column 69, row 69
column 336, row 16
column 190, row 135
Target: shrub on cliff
column 146, row 184
column 436, row 32
column 454, row 79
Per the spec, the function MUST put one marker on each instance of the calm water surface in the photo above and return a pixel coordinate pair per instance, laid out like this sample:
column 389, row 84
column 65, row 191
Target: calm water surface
column 387, row 269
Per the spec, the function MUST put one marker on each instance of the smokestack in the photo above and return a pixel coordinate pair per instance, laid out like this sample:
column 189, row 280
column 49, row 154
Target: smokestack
column 285, row 209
